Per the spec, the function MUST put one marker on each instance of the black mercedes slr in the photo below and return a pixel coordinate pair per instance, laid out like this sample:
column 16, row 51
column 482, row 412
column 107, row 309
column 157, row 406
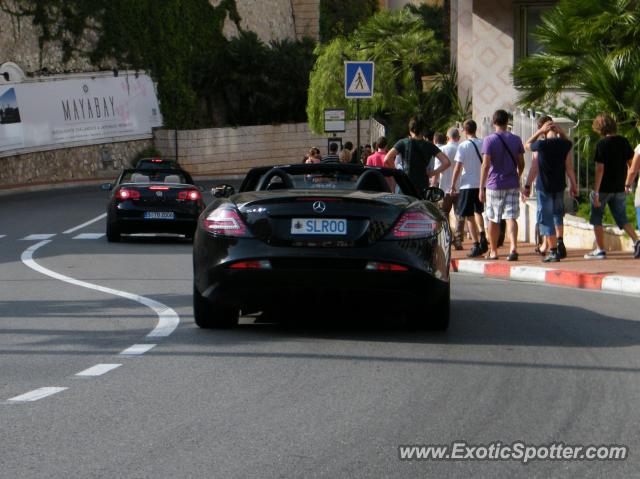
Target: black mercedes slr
column 153, row 201
column 298, row 237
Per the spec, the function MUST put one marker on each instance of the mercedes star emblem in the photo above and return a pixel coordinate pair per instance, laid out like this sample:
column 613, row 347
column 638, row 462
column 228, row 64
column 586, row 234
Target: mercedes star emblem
column 319, row 207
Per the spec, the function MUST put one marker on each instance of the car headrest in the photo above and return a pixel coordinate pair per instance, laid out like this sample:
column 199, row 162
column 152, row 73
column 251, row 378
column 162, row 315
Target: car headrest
column 373, row 180
column 172, row 179
column 139, row 178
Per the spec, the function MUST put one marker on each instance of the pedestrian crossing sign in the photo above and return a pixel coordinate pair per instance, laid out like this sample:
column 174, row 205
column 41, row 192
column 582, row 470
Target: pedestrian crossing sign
column 358, row 79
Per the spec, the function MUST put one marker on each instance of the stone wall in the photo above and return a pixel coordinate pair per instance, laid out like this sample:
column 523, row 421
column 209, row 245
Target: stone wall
column 306, row 15
column 233, row 151
column 271, row 20
column 67, row 164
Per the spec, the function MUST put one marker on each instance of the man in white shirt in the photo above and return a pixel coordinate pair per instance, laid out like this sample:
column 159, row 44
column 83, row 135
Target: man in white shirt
column 450, row 149
column 465, row 179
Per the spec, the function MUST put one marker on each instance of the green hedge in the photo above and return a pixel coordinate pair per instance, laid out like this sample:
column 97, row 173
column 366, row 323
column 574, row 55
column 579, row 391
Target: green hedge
column 342, row 17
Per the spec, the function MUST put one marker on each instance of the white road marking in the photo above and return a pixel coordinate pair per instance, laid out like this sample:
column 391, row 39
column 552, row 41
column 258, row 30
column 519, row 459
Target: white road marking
column 89, row 236
column 98, row 370
column 168, row 319
column 137, row 349
column 2, row 236
column 38, row 237
column 86, row 223
column 37, row 394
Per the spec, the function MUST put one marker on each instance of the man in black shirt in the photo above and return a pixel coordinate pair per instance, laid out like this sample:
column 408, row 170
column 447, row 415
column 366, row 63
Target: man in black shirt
column 552, row 163
column 416, row 156
column 613, row 156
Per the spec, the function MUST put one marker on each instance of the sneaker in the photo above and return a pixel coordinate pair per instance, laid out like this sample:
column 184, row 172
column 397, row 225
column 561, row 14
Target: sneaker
column 562, row 251
column 596, row 254
column 636, row 250
column 484, row 244
column 552, row 257
column 457, row 245
column 475, row 251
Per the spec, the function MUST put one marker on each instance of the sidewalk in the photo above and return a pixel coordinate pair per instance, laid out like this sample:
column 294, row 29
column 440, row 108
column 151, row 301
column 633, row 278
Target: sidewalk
column 620, row 272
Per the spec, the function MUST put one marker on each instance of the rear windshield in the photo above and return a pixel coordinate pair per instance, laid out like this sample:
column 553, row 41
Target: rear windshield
column 151, row 164
column 154, row 177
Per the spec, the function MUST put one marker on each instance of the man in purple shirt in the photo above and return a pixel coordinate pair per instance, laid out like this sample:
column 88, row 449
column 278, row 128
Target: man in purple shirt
column 502, row 167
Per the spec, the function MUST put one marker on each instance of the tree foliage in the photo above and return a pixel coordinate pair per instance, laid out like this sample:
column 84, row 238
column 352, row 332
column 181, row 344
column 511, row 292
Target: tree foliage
column 342, row 17
column 590, row 46
column 404, row 51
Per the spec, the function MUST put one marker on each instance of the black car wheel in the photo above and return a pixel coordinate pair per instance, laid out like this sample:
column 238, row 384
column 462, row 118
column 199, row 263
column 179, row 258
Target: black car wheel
column 435, row 317
column 113, row 232
column 209, row 315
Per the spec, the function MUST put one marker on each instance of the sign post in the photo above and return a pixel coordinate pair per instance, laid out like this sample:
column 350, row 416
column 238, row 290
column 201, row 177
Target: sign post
column 358, row 84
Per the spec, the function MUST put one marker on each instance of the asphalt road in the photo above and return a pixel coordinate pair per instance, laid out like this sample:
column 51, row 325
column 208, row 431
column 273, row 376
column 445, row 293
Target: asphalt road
column 310, row 399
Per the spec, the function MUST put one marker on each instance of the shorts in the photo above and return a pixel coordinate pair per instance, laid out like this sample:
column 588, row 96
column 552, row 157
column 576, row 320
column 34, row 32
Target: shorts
column 502, row 205
column 617, row 205
column 469, row 202
column 550, row 212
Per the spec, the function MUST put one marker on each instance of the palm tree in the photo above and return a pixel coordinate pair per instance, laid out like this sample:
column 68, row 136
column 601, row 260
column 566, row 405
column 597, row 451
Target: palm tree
column 590, row 46
column 403, row 51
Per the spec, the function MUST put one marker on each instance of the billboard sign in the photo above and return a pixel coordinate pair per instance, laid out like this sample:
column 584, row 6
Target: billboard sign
column 61, row 112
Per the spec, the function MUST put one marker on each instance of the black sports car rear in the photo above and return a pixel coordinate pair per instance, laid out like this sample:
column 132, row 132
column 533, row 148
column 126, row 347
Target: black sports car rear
column 153, row 201
column 328, row 234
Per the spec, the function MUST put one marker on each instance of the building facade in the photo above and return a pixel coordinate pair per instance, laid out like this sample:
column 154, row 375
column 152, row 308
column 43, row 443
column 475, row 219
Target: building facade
column 487, row 39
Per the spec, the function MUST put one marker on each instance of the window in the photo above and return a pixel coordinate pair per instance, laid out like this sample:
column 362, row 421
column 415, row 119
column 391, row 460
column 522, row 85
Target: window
column 529, row 17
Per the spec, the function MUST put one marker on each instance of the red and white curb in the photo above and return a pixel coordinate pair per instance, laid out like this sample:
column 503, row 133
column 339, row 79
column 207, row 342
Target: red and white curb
column 537, row 274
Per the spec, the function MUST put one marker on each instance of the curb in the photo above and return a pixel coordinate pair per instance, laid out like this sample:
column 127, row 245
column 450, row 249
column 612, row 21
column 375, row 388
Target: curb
column 558, row 277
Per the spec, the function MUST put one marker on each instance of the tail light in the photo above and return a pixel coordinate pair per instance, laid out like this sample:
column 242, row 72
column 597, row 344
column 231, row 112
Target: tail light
column 127, row 194
column 256, row 264
column 159, row 188
column 414, row 225
column 191, row 195
column 375, row 266
column 226, row 221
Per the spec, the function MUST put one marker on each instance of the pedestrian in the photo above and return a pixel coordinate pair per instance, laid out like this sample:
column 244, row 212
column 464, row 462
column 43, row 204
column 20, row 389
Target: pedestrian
column 444, row 182
column 313, row 156
column 631, row 176
column 349, row 146
column 613, row 157
column 552, row 163
column 366, row 153
column 332, row 157
column 439, row 139
column 466, row 174
column 502, row 168
column 345, row 156
column 377, row 158
column 416, row 156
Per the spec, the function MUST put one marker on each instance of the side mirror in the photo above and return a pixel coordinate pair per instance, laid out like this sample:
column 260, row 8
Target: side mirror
column 222, row 191
column 200, row 187
column 106, row 186
column 433, row 194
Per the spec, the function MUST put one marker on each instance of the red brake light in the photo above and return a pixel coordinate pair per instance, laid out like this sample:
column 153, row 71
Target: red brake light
column 257, row 264
column 127, row 194
column 159, row 188
column 156, row 160
column 226, row 221
column 192, row 195
column 414, row 224
column 374, row 266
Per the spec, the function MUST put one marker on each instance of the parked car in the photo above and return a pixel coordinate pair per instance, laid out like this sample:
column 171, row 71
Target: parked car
column 298, row 236
column 153, row 201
